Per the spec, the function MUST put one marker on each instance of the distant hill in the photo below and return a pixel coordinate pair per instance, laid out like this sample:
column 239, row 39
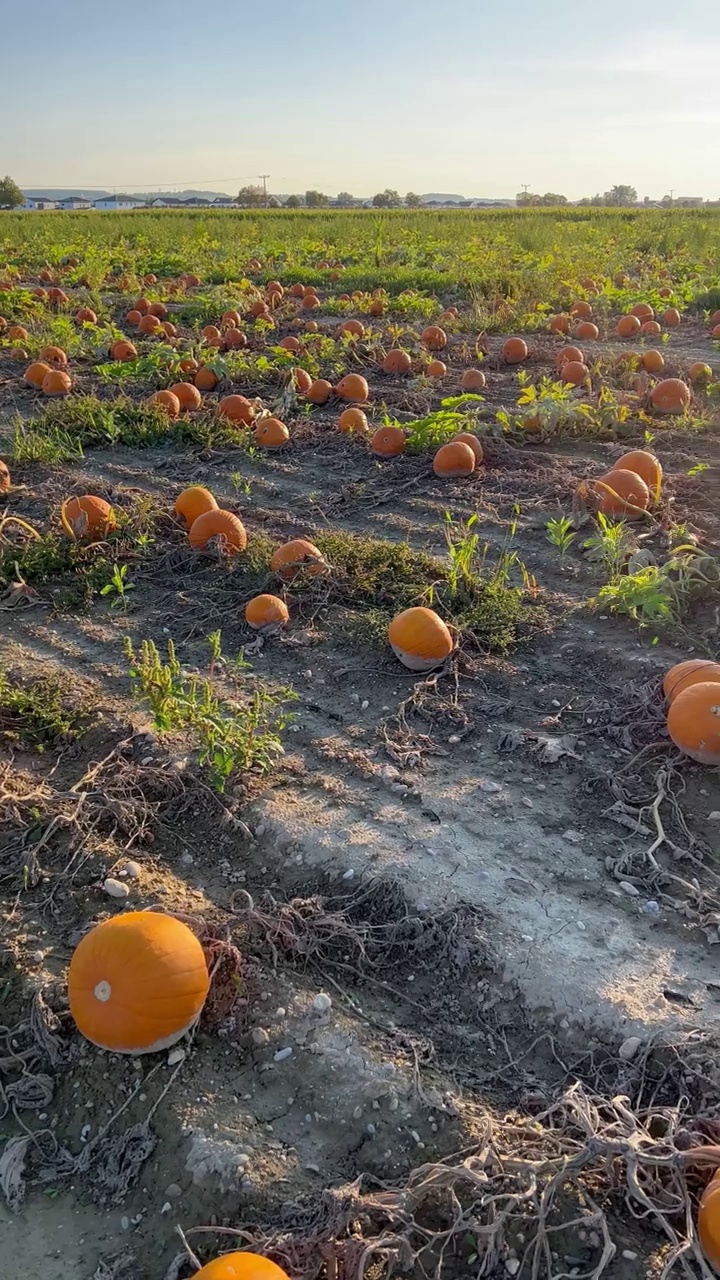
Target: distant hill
column 442, row 196
column 59, row 193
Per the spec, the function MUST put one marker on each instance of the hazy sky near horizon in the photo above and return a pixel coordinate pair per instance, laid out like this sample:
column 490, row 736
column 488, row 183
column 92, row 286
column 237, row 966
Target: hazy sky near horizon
column 473, row 96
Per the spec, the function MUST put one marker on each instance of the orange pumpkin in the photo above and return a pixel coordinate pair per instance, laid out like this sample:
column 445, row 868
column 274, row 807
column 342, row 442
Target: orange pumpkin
column 133, row 318
column 57, row 383
column 699, row 372
column 581, row 310
column 434, row 338
column 297, row 556
column 714, row 319
column 234, row 339
column 622, row 493
column 587, row 331
column 559, row 324
column 566, row 354
column 218, row 532
column 716, row 331
column 17, row 333
column 166, row 400
column 187, row 395
column 686, row 674
column 319, row 392
column 353, row 419
column 628, row 326
column 241, row 1266
column 650, row 328
column 123, row 351
column 271, row 433
column 354, row 328
column 231, row 318
column 643, row 464
column 142, row 305
column 514, row 351
column 708, row 1222
column 291, row 344
column 206, row 378
column 4, row 476
column 266, row 613
column 54, row 356
column 137, row 982
column 397, row 361
column 671, row 317
column 158, row 309
column 302, row 380
column 643, row 311
column 87, row 517
column 473, row 380
column 212, row 335
column 388, row 442
column 18, row 353
column 168, row 329
column 436, row 369
column 672, row 395
column 194, row 502
column 456, row 458
column 189, row 364
column 693, row 720
column 466, row 437
column 420, row 639
column 575, row 373
column 190, row 280
column 236, row 409
column 36, row 374
column 298, row 291
column 310, row 301
column 149, row 325
column 652, row 361
column 353, row 387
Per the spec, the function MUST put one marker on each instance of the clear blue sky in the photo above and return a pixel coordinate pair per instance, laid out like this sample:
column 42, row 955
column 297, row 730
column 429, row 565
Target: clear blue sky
column 475, row 96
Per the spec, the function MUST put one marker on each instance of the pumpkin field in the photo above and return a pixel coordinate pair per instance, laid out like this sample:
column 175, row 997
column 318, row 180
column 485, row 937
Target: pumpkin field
column 360, row 744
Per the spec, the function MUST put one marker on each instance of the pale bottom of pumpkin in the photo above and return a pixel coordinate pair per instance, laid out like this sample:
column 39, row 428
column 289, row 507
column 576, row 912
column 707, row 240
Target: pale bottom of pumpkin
column 166, row 1043
column 415, row 663
column 711, row 757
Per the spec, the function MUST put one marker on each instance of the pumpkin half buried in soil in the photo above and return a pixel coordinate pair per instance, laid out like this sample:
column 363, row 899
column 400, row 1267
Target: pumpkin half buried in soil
column 693, row 722
column 420, row 639
column 137, row 982
column 87, row 517
column 218, row 531
column 266, row 613
column 297, row 556
column 241, row 1266
column 194, row 502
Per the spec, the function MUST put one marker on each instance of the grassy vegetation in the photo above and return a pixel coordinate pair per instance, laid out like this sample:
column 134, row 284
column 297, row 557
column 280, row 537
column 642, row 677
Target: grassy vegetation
column 35, row 714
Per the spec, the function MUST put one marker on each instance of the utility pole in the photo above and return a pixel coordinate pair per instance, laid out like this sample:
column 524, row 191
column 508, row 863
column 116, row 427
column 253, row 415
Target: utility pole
column 672, row 193
column 263, row 178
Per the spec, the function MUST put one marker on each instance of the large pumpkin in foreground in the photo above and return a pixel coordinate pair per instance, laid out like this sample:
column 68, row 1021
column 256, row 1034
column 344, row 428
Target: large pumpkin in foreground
column 241, row 1266
column 693, row 722
column 137, row 982
column 708, row 1222
column 420, row 639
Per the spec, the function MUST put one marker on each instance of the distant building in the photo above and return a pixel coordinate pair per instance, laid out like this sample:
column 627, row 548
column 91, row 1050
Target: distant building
column 165, row 202
column 39, row 202
column 223, row 202
column 119, row 202
column 74, row 202
column 197, row 202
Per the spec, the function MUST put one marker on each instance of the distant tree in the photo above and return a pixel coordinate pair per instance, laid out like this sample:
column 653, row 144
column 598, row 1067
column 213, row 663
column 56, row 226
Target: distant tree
column 293, row 202
column 344, row 199
column 316, row 199
column 387, row 199
column 622, row 195
column 593, row 200
column 251, row 197
column 525, row 198
column 412, row 201
column 552, row 198
column 10, row 194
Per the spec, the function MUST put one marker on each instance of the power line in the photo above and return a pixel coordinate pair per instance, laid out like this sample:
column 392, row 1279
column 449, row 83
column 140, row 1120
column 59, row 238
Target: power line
column 153, row 186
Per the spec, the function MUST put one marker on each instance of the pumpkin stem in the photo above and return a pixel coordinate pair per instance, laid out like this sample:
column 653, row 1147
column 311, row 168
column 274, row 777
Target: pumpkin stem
column 21, row 523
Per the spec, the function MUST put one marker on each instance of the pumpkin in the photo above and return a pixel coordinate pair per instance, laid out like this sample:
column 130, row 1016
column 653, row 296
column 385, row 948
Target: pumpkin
column 686, row 674
column 295, row 557
column 396, row 361
column 468, row 438
column 574, row 373
column 587, row 331
column 377, row 308
column 58, row 297
column 319, row 391
column 266, row 613
column 671, row 317
column 298, row 291
column 189, row 364
column 514, row 351
column 672, row 395
column 274, row 286
column 650, row 328
column 302, row 381
column 388, row 442
column 142, row 305
column 622, row 493
column 123, row 351
column 206, row 378
column 231, row 318
column 559, row 324
column 353, row 387
column 652, row 361
column 16, row 333
column 167, row 401
column 168, row 329
column 420, row 639
column 190, row 280
column 158, row 309
column 236, row 409
column 150, row 278
column 212, row 335
column 187, row 396
column 36, row 374
column 566, row 354
column 435, row 369
column 643, row 311
column 4, row 476
column 581, row 310
column 589, row 285
column 218, row 531
column 133, row 318
column 473, row 380
column 354, row 328
column 434, row 338
column 353, row 419
column 714, row 319
column 87, row 517
column 708, row 1222
column 628, row 326
column 291, row 344
column 456, row 458
column 693, row 720
column 137, row 982
column 700, row 372
column 194, row 502
column 271, row 433
column 241, row 1266
column 234, row 340
column 54, row 356
column 149, row 325
column 643, row 464
column 310, row 301
column 310, row 326
column 56, row 383
column 18, row 353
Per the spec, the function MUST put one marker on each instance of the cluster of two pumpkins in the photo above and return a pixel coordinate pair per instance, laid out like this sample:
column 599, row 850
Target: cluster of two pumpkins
column 631, row 486
column 692, row 691
column 48, row 373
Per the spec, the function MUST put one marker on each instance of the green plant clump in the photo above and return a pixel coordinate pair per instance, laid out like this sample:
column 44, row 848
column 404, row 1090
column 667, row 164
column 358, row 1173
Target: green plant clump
column 34, row 714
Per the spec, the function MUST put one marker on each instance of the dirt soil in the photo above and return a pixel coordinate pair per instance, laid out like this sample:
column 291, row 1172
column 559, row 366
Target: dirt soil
column 479, row 831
